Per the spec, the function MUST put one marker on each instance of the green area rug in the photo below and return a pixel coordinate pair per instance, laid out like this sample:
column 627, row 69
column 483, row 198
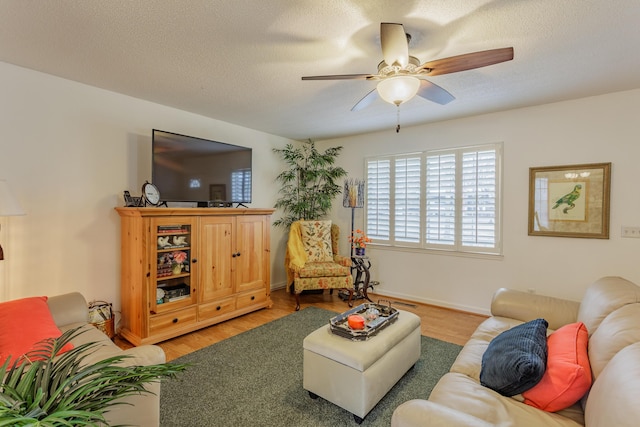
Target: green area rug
column 255, row 379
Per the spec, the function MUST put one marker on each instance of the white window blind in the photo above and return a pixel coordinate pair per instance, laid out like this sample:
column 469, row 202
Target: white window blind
column 407, row 198
column 379, row 199
column 241, row 185
column 479, row 199
column 441, row 199
column 446, row 199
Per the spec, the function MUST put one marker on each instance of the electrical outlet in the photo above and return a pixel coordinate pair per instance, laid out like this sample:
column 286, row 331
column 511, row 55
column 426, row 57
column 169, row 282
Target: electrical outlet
column 633, row 232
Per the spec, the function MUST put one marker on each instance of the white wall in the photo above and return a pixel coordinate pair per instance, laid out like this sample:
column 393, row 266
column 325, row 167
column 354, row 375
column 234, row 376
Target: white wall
column 590, row 130
column 68, row 151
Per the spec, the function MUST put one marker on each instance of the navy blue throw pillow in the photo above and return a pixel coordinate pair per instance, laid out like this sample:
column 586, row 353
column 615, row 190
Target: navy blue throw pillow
column 516, row 359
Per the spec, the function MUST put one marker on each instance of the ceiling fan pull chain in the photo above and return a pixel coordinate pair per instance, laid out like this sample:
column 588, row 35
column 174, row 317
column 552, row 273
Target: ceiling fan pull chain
column 398, row 116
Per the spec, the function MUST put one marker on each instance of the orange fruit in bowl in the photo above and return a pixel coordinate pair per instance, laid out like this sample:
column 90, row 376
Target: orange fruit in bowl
column 355, row 321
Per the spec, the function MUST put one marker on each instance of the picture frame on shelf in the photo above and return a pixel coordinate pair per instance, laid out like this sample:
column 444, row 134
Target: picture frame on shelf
column 570, row 200
column 218, row 192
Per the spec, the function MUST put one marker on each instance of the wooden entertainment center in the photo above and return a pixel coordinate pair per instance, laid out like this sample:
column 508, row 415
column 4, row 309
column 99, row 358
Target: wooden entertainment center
column 188, row 268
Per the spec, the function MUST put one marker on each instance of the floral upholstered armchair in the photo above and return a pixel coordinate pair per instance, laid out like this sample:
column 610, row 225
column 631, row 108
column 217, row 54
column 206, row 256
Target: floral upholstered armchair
column 312, row 261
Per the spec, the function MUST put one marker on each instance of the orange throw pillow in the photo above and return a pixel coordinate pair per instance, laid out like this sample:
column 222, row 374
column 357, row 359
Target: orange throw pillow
column 568, row 374
column 25, row 322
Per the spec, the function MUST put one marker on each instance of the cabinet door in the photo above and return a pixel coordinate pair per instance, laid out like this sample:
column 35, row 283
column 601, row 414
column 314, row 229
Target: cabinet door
column 252, row 249
column 171, row 250
column 215, row 257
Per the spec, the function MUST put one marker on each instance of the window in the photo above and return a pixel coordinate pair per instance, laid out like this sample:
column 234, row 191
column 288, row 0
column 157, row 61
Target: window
column 445, row 199
column 241, row 185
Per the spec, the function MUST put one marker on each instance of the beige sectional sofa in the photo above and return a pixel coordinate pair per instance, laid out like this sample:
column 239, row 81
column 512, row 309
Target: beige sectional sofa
column 70, row 311
column 610, row 310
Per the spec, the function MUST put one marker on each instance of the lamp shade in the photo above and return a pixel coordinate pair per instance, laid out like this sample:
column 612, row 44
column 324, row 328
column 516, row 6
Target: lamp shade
column 8, row 204
column 398, row 89
column 353, row 196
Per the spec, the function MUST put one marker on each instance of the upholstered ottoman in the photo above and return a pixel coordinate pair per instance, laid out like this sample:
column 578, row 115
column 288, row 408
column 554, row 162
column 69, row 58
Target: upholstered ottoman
column 355, row 375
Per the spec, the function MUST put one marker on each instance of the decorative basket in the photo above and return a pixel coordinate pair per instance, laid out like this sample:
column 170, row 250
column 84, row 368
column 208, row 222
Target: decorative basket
column 101, row 316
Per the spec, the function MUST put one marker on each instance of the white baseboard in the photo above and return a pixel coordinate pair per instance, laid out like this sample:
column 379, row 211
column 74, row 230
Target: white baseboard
column 276, row 286
column 409, row 298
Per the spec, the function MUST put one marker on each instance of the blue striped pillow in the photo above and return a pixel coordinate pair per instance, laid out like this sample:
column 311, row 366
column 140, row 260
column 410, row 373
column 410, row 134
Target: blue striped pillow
column 516, row 359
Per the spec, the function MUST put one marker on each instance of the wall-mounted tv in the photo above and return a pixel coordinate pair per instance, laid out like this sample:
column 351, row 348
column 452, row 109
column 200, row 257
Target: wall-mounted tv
column 190, row 169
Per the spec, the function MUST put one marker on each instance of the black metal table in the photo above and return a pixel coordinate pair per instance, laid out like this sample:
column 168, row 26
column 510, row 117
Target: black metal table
column 361, row 266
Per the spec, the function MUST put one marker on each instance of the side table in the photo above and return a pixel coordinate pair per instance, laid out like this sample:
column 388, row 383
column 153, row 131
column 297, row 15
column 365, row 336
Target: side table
column 361, row 265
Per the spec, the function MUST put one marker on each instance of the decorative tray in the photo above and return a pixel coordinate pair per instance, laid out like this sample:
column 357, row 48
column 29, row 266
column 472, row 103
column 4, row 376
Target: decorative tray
column 377, row 317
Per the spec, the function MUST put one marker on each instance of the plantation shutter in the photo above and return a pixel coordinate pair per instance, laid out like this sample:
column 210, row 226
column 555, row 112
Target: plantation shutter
column 479, row 199
column 378, row 205
column 441, row 199
column 241, row 185
column 407, row 200
column 446, row 199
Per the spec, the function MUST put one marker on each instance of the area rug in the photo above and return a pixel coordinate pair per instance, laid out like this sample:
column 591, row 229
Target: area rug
column 255, row 379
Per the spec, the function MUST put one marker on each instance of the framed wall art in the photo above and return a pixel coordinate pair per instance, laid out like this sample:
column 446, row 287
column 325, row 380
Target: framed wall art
column 218, row 192
column 570, row 201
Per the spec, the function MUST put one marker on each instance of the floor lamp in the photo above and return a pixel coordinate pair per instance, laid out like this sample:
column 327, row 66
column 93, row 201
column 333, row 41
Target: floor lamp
column 8, row 206
column 353, row 198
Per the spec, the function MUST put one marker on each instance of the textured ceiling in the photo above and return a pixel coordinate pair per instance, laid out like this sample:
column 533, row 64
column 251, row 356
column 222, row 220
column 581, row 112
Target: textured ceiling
column 241, row 61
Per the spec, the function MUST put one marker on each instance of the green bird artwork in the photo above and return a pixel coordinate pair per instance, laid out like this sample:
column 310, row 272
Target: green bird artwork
column 569, row 199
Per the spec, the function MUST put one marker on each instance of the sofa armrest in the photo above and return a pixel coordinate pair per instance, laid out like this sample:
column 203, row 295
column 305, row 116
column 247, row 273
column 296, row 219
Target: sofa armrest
column 144, row 355
column 525, row 306
column 418, row 412
column 68, row 308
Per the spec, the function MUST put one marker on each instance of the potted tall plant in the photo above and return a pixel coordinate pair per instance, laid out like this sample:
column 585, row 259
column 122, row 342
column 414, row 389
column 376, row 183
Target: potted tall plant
column 66, row 391
column 309, row 185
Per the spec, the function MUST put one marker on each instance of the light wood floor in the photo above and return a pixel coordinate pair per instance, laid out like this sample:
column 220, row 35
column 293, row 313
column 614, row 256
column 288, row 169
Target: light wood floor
column 437, row 322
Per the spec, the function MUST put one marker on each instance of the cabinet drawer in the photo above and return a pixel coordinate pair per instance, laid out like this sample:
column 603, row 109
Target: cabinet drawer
column 177, row 319
column 217, row 308
column 251, row 298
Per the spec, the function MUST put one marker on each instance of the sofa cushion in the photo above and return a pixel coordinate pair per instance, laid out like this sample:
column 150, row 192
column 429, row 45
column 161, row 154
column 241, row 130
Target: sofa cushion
column 516, row 359
column 316, row 238
column 603, row 297
column 568, row 374
column 459, row 392
column 618, row 330
column 323, row 269
column 613, row 399
column 25, row 322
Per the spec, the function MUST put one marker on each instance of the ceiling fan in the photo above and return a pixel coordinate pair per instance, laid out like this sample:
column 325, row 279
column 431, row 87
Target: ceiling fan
column 401, row 76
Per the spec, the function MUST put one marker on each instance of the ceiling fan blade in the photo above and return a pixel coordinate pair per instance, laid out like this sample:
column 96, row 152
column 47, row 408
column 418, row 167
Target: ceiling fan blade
column 395, row 48
column 366, row 100
column 435, row 93
column 467, row 61
column 339, row 77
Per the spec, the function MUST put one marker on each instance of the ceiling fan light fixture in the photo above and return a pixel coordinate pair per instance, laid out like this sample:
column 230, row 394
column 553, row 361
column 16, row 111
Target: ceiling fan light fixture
column 399, row 89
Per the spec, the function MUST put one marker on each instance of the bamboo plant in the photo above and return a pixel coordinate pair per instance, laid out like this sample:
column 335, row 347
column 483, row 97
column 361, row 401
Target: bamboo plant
column 46, row 391
column 309, row 185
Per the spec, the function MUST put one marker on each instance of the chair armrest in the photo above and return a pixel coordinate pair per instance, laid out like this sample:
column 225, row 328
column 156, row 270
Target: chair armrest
column 342, row 260
column 418, row 412
column 68, row 308
column 525, row 306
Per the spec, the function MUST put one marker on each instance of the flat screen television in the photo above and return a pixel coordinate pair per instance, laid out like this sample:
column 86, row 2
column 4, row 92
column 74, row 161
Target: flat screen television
column 190, row 169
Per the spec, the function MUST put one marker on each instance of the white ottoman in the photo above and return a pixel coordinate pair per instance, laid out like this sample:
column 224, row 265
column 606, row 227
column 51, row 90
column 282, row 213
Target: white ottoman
column 355, row 375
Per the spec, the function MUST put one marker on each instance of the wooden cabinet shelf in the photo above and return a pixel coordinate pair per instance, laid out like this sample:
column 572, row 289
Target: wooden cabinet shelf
column 187, row 268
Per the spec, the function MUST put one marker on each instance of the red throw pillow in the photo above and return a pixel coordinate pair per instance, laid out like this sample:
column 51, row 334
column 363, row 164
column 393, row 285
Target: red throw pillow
column 568, row 374
column 25, row 322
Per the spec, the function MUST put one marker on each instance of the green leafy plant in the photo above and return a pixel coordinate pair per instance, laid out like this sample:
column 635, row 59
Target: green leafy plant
column 40, row 390
column 309, row 184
